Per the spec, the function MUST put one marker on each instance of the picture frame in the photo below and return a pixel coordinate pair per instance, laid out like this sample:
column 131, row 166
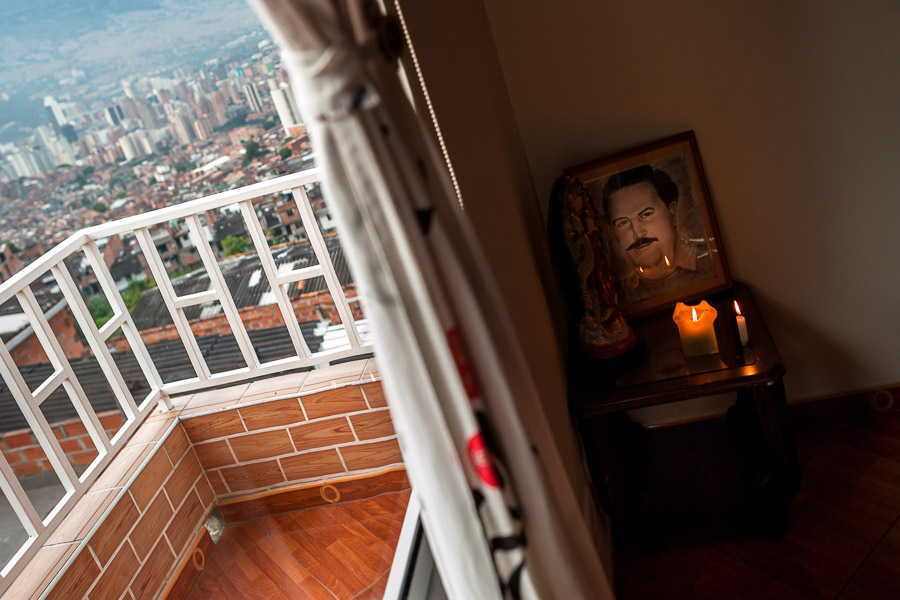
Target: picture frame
column 657, row 218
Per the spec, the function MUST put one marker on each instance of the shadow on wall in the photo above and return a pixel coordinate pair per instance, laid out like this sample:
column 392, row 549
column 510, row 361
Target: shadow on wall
column 807, row 349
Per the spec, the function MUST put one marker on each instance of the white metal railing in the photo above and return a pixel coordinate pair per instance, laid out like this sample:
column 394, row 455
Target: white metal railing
column 19, row 287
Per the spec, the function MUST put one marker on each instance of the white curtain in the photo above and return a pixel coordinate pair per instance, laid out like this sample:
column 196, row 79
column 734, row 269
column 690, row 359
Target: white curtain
column 460, row 393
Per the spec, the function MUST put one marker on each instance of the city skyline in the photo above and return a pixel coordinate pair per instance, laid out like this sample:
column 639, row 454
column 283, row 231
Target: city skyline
column 146, row 140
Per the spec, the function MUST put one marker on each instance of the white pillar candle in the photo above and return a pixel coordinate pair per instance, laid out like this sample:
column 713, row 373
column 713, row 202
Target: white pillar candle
column 742, row 325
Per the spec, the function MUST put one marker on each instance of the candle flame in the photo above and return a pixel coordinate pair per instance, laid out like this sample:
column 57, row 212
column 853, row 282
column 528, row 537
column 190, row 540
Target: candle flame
column 667, row 261
column 641, row 269
column 737, row 308
column 693, row 314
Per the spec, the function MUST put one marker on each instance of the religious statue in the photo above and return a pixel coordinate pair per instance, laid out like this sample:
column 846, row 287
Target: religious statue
column 581, row 257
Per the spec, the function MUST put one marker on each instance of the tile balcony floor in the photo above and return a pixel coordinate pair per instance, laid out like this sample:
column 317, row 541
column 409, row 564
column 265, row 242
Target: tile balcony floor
column 342, row 551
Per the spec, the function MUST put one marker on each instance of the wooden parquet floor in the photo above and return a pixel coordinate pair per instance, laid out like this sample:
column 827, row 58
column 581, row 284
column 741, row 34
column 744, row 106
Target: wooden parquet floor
column 843, row 540
column 342, row 551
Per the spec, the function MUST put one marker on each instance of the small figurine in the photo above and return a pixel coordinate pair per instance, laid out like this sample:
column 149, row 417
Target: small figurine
column 580, row 255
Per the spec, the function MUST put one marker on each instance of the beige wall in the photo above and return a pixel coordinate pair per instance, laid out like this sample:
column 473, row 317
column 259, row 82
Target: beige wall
column 796, row 107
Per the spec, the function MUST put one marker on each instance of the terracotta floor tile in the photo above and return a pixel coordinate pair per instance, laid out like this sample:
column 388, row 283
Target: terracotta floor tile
column 40, row 570
column 274, row 386
column 337, row 374
column 83, row 516
column 177, row 444
column 375, row 395
column 272, row 414
column 342, row 551
column 267, row 444
column 372, row 370
column 208, row 407
column 151, row 431
column 215, row 454
column 217, row 397
column 334, row 402
column 122, row 467
column 216, row 425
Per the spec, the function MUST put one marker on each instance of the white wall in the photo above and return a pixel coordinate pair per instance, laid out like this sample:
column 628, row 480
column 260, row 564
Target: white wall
column 796, row 107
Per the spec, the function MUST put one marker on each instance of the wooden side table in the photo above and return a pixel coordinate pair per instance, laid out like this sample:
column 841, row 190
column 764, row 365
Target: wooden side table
column 754, row 372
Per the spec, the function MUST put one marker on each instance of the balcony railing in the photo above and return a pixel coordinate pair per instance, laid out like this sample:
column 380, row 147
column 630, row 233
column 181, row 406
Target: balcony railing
column 39, row 529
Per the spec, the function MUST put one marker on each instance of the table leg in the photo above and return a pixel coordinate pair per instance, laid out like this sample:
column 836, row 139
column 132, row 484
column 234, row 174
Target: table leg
column 778, row 472
column 771, row 405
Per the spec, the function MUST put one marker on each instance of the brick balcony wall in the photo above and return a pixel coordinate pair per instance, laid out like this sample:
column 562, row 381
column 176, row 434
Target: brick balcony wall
column 27, row 458
column 130, row 534
column 280, row 443
column 126, row 537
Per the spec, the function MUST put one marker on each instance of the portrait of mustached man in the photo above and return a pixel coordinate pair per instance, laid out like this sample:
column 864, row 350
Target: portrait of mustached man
column 655, row 252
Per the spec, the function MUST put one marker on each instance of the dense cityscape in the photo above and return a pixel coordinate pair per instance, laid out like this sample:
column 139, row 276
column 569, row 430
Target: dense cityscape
column 144, row 142
column 157, row 140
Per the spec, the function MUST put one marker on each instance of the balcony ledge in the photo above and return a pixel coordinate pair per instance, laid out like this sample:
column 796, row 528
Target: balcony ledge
column 256, row 448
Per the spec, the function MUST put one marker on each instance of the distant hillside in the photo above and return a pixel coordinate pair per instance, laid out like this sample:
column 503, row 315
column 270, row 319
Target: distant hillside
column 44, row 37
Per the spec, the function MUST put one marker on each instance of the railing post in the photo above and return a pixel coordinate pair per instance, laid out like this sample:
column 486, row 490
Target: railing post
column 96, row 342
column 167, row 292
column 270, row 269
column 221, row 287
column 331, row 278
column 129, row 329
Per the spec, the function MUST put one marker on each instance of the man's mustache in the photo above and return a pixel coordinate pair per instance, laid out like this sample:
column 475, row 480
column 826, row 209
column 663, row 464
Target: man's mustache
column 641, row 242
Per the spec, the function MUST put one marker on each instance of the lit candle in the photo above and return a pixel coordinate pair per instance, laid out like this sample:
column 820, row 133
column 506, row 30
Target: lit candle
column 695, row 327
column 742, row 325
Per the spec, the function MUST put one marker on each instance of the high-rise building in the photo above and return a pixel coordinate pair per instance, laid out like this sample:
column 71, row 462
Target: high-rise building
column 231, row 92
column 112, row 116
column 57, row 117
column 29, row 162
column 182, row 91
column 183, row 129
column 60, row 149
column 129, row 149
column 251, row 93
column 68, row 132
column 128, row 88
column 285, row 104
column 146, row 115
column 130, row 107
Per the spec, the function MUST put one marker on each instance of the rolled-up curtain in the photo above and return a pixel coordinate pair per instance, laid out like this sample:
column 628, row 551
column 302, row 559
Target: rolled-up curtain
column 461, row 397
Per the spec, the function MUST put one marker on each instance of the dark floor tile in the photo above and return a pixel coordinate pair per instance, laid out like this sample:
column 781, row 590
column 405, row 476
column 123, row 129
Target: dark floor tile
column 849, row 498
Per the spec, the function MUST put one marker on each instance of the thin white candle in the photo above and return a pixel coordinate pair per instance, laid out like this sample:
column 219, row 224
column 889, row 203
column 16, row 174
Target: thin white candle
column 742, row 324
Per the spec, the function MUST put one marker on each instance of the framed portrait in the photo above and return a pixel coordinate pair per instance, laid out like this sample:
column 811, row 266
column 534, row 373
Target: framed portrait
column 654, row 209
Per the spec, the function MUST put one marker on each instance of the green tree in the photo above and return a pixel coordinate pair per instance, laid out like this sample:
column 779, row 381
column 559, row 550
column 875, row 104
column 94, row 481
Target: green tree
column 132, row 293
column 100, row 309
column 285, row 152
column 98, row 206
column 12, row 247
column 251, row 151
column 184, row 167
column 120, row 195
column 234, row 245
